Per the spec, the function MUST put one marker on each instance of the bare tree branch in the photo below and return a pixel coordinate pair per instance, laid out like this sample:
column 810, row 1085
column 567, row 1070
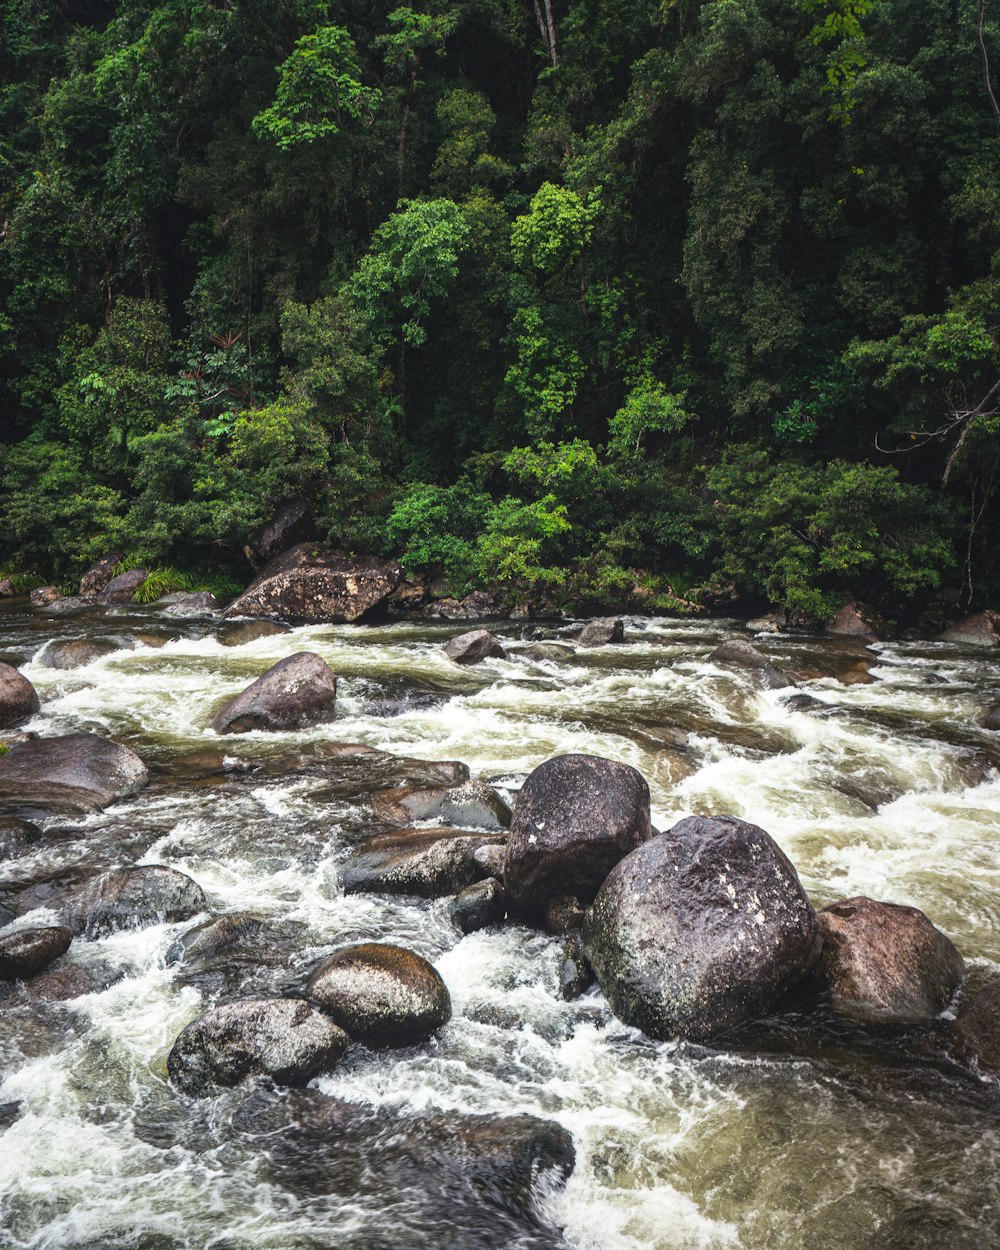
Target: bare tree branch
column 984, row 56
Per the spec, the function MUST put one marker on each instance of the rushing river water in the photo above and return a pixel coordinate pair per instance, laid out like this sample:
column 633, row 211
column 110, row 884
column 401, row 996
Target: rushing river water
column 796, row 1133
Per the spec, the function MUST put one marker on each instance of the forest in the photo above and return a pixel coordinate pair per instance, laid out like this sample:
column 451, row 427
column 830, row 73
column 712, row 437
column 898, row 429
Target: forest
column 668, row 306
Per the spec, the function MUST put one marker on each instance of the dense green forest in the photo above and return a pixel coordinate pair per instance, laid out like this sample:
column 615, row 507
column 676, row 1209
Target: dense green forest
column 649, row 305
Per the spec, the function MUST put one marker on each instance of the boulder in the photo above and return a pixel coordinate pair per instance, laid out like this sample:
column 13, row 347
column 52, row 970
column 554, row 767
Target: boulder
column 430, row 863
column 99, row 574
column 574, row 819
column 886, row 964
column 491, row 859
column 75, row 773
column 858, row 620
column 774, row 622
column 474, row 647
column 408, row 597
column 43, row 596
column 286, row 1039
column 121, row 589
column 479, row 906
column 700, row 929
column 18, row 697
column 7, row 588
column 473, row 607
column 297, row 691
column 242, row 632
column 76, row 653
column 17, row 837
column 9, row 1113
column 978, row 1028
column 576, row 974
column 222, row 937
column 291, row 525
column 738, row 653
column 979, row 630
column 312, row 583
column 541, row 652
column 193, row 603
column 991, row 719
column 563, row 914
column 74, row 605
column 130, row 898
column 381, row 995
column 28, row 951
column 471, row 803
column 601, row 633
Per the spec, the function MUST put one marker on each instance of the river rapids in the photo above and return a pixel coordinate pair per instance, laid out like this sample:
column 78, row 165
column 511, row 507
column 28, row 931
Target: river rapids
column 794, row 1133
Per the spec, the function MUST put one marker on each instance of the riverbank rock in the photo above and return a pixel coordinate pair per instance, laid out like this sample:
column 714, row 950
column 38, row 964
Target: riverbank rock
column 478, row 906
column 18, row 697
column 75, row 773
column 601, row 633
column 240, row 633
column 575, row 817
column 978, row 1028
column 474, row 647
column 700, row 929
column 299, row 690
column 7, row 588
column 286, row 1039
column 980, row 630
column 774, row 622
column 738, row 653
column 99, row 574
column 430, row 863
column 28, row 951
column 130, row 898
column 76, row 653
column 121, row 589
column 858, row 620
column 43, row 596
column 17, row 837
column 191, row 603
column 471, row 803
column 312, row 583
column 886, row 964
column 476, row 606
column 381, row 995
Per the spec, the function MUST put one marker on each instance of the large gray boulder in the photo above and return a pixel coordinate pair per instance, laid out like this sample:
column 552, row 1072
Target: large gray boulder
column 122, row 589
column 978, row 1028
column 575, row 817
column 380, row 994
column 192, row 603
column 980, row 630
column 130, row 898
column 471, row 803
column 297, row 691
column 474, row 647
column 75, row 773
column 76, row 653
column 430, row 863
column 286, row 1039
column 700, row 929
column 313, row 583
column 18, row 697
column 886, row 964
column 27, row 951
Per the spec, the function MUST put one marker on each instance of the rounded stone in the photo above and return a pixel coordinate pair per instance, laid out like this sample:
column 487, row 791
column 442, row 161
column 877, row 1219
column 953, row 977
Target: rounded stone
column 474, row 647
column 297, row 691
column 28, row 951
column 380, row 994
column 128, row 898
column 18, row 697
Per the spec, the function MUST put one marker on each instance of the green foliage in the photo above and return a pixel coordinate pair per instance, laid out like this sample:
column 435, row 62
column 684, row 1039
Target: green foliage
column 839, row 24
column 649, row 408
column 553, row 233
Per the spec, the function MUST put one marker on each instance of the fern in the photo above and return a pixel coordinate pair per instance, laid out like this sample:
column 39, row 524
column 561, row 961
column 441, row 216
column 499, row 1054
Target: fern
column 23, row 583
column 163, row 581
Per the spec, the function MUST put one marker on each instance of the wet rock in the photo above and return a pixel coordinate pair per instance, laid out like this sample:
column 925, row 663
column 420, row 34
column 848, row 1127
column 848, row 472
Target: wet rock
column 563, row 914
column 540, row 652
column 886, row 964
column 858, row 620
column 491, row 859
column 129, row 898
column 409, row 596
column 474, row 647
column 700, row 929
column 239, row 933
column 28, row 951
column 76, row 653
column 803, row 703
column 99, row 574
column 738, row 653
column 193, row 603
column 430, row 863
column 121, row 589
column 991, row 720
column 6, row 915
column 18, row 697
column 470, row 804
column 770, row 623
column 576, row 975
column 978, row 1028
column 291, row 525
column 75, row 605
column 286, row 1039
column 473, row 607
column 601, row 633
column 856, row 675
column 313, row 583
column 299, row 690
column 574, row 819
column 381, row 995
column 62, row 983
column 43, row 596
column 239, row 633
column 875, row 787
column 479, row 906
column 9, row 1112
column 980, row 630
column 75, row 773
column 17, row 837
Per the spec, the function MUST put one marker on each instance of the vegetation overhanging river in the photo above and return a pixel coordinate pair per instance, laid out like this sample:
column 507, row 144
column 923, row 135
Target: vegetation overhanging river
column 794, row 1132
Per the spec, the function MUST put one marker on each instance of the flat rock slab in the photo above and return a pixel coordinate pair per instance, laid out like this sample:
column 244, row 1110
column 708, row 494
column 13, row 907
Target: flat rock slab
column 313, row 583
column 287, row 1039
column 430, row 863
column 471, row 803
column 28, row 951
column 381, row 995
column 18, row 697
column 700, row 929
column 75, row 773
column 129, row 898
column 886, row 964
column 297, row 691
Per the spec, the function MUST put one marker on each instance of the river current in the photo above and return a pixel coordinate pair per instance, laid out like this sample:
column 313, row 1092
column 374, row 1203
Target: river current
column 795, row 1133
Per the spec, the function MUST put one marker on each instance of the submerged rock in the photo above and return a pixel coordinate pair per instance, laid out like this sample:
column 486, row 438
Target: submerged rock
column 297, row 691
column 474, row 647
column 127, row 898
column 469, row 803
column 430, row 863
column 76, row 653
column 978, row 1028
column 886, row 964
column 479, row 906
column 286, row 1039
column 574, row 819
column 380, row 994
column 738, row 653
column 601, row 633
column 18, row 697
column 238, row 933
column 980, row 630
column 28, row 951
column 700, row 929
column 75, row 773
column 313, row 583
